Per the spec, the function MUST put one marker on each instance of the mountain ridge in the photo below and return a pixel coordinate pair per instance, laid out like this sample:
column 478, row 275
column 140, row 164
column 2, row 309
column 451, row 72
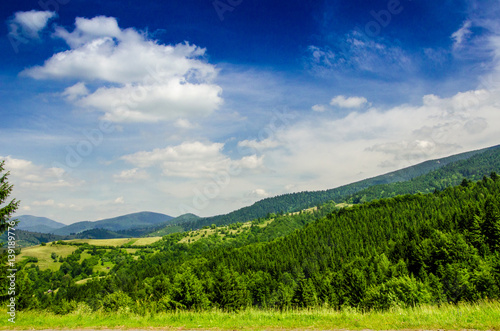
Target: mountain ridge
column 292, row 202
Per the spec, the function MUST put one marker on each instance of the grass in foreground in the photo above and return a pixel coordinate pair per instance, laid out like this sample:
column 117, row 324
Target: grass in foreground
column 479, row 316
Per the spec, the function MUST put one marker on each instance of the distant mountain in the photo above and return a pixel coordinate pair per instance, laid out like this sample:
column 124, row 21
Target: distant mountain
column 297, row 201
column 120, row 223
column 37, row 224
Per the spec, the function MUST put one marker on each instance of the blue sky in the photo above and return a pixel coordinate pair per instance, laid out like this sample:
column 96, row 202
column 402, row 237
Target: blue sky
column 112, row 107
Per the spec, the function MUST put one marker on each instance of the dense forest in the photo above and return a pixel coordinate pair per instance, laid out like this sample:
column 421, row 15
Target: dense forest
column 401, row 251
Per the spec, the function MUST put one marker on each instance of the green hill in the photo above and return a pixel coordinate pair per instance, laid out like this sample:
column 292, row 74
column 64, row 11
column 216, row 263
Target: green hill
column 398, row 252
column 484, row 163
column 473, row 168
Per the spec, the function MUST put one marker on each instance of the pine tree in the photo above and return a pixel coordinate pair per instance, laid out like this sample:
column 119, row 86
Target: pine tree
column 491, row 225
column 9, row 209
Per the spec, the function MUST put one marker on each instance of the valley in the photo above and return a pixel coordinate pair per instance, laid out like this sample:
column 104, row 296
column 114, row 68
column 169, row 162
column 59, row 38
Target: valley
column 410, row 246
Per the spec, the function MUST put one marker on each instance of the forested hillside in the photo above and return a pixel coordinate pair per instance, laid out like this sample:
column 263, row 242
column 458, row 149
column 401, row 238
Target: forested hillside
column 423, row 177
column 407, row 250
column 473, row 168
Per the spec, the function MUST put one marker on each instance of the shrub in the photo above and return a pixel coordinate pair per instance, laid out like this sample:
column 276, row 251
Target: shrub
column 115, row 301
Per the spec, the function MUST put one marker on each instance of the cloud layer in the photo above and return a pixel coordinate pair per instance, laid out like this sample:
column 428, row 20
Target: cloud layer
column 138, row 79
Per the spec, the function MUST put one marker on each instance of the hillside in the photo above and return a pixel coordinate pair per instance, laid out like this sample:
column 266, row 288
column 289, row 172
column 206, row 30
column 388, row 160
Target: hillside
column 28, row 238
column 302, row 200
column 397, row 252
column 473, row 168
column 125, row 222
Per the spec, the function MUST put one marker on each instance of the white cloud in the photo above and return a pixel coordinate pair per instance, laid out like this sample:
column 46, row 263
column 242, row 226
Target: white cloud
column 27, row 25
column 460, row 35
column 184, row 124
column 330, row 152
column 76, row 91
column 145, row 81
column 259, row 193
column 155, row 102
column 191, row 160
column 350, row 102
column 87, row 30
column 25, row 174
column 250, row 162
column 131, row 175
column 260, row 145
column 49, row 202
column 319, row 108
column 119, row 200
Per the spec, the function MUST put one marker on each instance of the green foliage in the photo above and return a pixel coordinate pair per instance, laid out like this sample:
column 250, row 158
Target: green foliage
column 9, row 208
column 116, row 301
column 393, row 253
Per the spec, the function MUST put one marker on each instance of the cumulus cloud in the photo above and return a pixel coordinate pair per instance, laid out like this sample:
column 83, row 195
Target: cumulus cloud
column 191, row 160
column 28, row 175
column 28, row 24
column 350, row 102
column 141, row 80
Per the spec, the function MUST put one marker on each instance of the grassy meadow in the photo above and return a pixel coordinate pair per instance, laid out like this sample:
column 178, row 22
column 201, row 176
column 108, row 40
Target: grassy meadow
column 45, row 261
column 116, row 242
column 43, row 253
column 479, row 316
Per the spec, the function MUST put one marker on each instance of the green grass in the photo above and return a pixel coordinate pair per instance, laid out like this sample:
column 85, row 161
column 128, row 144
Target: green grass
column 167, row 230
column 102, row 242
column 146, row 241
column 42, row 253
column 98, row 268
column 479, row 316
column 116, row 242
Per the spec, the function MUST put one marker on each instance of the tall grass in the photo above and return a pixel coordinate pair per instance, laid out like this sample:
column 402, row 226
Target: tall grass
column 480, row 316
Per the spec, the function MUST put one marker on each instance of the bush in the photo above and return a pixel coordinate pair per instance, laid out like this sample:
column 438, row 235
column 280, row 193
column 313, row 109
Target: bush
column 63, row 307
column 401, row 291
column 115, row 301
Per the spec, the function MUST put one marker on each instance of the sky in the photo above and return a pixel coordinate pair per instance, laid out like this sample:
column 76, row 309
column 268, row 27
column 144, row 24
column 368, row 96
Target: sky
column 207, row 106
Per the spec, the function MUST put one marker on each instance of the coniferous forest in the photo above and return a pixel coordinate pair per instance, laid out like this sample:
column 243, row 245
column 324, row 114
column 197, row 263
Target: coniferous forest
column 404, row 251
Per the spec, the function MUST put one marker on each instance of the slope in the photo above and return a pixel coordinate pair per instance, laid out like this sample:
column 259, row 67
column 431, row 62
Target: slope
column 473, row 168
column 298, row 201
column 397, row 252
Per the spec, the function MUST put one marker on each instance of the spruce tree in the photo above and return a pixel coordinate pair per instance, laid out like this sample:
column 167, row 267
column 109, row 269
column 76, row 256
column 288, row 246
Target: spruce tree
column 11, row 207
column 491, row 225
